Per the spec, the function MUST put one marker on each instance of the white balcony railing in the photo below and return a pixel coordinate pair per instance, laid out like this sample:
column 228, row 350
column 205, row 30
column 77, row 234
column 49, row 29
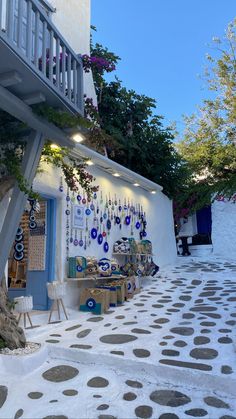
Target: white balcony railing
column 27, row 29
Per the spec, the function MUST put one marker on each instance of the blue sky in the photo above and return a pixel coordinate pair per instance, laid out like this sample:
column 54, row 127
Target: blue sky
column 162, row 44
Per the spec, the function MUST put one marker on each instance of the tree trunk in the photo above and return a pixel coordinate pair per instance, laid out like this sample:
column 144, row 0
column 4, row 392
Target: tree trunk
column 7, row 183
column 11, row 335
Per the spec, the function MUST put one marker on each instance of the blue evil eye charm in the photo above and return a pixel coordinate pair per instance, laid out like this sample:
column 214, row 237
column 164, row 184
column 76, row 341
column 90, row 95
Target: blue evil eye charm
column 61, row 188
column 95, row 195
column 105, row 216
column 106, row 247
column 117, row 220
column 91, row 304
column 81, row 243
column 71, row 240
column 79, row 268
column 127, row 220
column 94, row 233
column 144, row 233
column 125, row 207
column 100, row 238
column 138, row 225
column 79, row 197
column 120, row 208
column 67, row 198
column 76, row 242
column 19, row 231
column 67, row 212
column 87, row 211
column 84, row 201
column 92, row 207
column 108, row 224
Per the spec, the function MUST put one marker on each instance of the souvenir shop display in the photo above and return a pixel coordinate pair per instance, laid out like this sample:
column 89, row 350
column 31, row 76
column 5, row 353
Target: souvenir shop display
column 91, row 219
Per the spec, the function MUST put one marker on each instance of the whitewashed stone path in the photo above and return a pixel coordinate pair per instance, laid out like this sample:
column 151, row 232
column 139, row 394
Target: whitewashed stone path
column 168, row 353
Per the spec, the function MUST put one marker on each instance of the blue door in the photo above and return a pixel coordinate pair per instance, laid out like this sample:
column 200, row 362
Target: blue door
column 36, row 284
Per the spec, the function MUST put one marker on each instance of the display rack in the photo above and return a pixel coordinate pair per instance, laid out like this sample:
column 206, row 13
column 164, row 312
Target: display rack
column 94, row 278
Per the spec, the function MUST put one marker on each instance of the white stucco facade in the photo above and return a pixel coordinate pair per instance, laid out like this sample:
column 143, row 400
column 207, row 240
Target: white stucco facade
column 224, row 229
column 158, row 210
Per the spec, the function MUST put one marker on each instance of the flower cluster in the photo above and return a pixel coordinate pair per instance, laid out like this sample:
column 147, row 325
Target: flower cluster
column 97, row 63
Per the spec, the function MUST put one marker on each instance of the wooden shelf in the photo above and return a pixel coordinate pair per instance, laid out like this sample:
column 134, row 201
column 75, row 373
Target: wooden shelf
column 95, row 278
column 133, row 254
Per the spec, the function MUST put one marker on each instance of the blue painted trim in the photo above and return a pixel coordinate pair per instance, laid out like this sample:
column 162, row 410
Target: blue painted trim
column 52, row 227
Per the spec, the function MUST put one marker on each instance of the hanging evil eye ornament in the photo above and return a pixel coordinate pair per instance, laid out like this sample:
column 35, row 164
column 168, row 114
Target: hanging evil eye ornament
column 94, row 233
column 81, row 242
column 108, row 224
column 79, row 198
column 106, row 247
column 61, row 185
column 138, row 225
column 144, row 233
column 19, row 246
column 92, row 207
column 127, row 220
column 117, row 220
column 76, row 241
column 94, row 195
column 105, row 216
column 100, row 238
column 84, row 200
column 88, row 211
column 67, row 212
column 32, row 222
column 141, row 235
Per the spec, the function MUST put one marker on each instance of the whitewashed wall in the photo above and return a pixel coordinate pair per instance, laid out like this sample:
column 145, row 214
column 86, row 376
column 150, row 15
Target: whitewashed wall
column 224, row 229
column 158, row 208
column 72, row 18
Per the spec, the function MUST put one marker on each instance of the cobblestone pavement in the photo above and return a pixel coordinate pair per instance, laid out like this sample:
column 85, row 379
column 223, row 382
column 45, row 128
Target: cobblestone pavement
column 168, row 353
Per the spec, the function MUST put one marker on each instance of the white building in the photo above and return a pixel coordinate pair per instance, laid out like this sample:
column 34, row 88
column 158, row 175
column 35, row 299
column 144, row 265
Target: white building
column 46, row 252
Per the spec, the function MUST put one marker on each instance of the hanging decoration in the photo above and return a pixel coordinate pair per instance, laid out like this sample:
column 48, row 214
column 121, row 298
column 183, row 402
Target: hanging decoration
column 19, row 246
column 92, row 219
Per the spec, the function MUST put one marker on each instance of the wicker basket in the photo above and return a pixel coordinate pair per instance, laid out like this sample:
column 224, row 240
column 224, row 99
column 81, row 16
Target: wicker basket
column 23, row 304
column 56, row 290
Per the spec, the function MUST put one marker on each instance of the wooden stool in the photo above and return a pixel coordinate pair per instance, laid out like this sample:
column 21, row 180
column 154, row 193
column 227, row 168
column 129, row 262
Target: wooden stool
column 56, row 306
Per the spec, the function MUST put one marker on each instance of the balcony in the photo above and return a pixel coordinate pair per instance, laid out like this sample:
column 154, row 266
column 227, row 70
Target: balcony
column 37, row 65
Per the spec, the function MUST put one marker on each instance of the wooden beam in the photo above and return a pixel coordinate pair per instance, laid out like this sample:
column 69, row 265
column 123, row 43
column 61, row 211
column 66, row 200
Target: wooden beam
column 34, row 98
column 17, row 204
column 17, row 108
column 10, row 78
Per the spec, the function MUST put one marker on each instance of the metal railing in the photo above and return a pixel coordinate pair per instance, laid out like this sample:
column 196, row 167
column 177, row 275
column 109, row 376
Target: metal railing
column 25, row 26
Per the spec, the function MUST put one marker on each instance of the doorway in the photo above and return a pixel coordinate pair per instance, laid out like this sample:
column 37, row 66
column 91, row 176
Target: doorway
column 31, row 269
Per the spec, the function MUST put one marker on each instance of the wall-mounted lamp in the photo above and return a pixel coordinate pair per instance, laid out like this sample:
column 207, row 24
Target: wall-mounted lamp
column 55, row 147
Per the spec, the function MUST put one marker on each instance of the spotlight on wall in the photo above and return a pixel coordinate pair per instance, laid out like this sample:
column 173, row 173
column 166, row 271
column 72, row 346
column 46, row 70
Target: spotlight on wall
column 89, row 162
column 78, row 138
column 116, row 174
column 136, row 184
column 153, row 192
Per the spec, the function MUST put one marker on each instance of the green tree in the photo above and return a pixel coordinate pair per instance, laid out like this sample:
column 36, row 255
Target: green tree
column 209, row 143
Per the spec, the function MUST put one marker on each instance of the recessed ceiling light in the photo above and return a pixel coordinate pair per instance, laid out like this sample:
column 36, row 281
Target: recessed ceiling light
column 89, row 162
column 78, row 138
column 153, row 192
column 116, row 174
column 136, row 184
